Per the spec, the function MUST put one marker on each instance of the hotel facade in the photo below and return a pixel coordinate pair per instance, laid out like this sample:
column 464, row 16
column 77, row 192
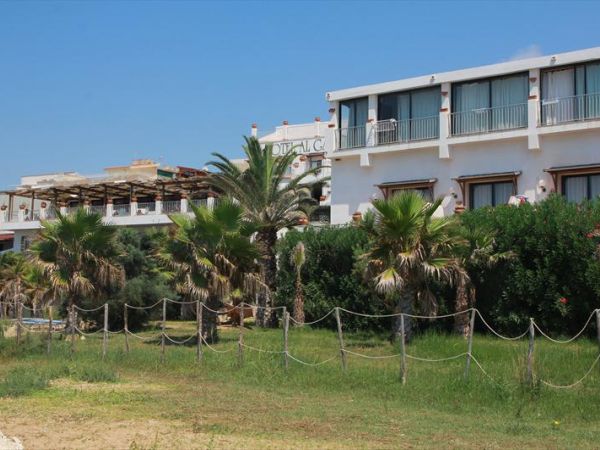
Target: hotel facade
column 509, row 132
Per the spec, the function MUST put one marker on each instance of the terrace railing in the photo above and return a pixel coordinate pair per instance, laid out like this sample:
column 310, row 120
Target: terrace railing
column 351, row 137
column 199, row 202
column 98, row 209
column 146, row 208
column 171, row 206
column 570, row 109
column 394, row 131
column 121, row 210
column 487, row 120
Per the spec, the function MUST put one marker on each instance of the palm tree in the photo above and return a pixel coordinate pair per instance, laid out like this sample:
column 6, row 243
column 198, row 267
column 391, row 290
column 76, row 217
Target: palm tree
column 477, row 251
column 298, row 257
column 77, row 254
column 14, row 273
column 269, row 200
column 410, row 249
column 210, row 256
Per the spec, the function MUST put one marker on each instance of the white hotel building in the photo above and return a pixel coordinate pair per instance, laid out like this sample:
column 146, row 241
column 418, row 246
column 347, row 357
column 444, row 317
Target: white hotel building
column 474, row 137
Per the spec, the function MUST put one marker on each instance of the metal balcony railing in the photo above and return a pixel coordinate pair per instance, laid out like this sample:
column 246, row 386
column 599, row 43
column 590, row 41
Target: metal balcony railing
column 146, row 208
column 121, row 210
column 351, row 137
column 393, row 131
column 199, row 202
column 487, row 120
column 570, row 109
column 171, row 206
column 98, row 209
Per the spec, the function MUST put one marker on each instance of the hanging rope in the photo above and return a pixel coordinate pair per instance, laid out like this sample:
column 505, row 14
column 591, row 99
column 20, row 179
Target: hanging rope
column 314, row 321
column 438, row 359
column 88, row 310
column 506, row 338
column 292, row 357
column 143, row 307
column 557, row 341
column 568, row 386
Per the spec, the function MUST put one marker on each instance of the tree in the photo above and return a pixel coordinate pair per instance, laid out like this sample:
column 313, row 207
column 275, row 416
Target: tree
column 211, row 255
column 298, row 258
column 477, row 252
column 78, row 255
column 14, row 273
column 269, row 200
column 410, row 249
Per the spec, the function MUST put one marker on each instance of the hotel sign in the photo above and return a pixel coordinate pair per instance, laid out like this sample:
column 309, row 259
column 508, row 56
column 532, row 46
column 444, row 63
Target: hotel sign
column 300, row 146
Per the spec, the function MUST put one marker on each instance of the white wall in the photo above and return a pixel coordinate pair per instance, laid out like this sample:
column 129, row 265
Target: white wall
column 353, row 186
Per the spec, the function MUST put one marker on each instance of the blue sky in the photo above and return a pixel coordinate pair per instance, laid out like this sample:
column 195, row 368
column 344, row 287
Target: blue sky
column 84, row 85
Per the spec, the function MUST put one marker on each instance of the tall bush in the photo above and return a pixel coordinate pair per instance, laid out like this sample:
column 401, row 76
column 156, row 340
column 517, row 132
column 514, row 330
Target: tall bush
column 555, row 274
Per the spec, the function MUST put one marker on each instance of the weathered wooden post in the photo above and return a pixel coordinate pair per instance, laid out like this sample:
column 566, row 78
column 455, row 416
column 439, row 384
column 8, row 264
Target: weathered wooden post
column 162, row 335
column 72, row 314
column 286, row 327
column 105, row 333
column 530, row 352
column 598, row 328
column 341, row 338
column 403, row 350
column 198, row 331
column 241, row 336
column 470, row 344
column 49, row 343
column 19, row 320
column 126, row 327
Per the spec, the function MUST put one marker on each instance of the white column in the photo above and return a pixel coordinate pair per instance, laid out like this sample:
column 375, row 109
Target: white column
column 63, row 209
column 86, row 206
column 371, row 120
column 184, row 205
column 3, row 215
column 317, row 126
column 533, row 139
column 210, row 202
column 444, row 151
column 43, row 211
column 333, row 124
column 158, row 205
column 285, row 129
column 254, row 130
column 133, row 207
column 109, row 209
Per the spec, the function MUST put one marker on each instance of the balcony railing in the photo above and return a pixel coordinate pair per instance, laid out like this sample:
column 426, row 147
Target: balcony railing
column 121, row 210
column 171, row 206
column 351, row 137
column 98, row 209
column 486, row 120
column 199, row 202
column 393, row 131
column 571, row 109
column 146, row 208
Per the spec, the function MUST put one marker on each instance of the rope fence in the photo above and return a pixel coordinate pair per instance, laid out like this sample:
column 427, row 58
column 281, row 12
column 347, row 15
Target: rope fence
column 71, row 327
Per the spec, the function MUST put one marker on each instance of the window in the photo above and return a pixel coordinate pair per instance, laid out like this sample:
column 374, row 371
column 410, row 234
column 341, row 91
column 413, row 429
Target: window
column 577, row 188
column 490, row 105
column 490, row 194
column 571, row 93
column 315, row 163
column 408, row 116
column 353, row 119
column 426, row 192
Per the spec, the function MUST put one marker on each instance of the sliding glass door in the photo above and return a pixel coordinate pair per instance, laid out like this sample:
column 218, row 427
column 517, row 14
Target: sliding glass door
column 353, row 119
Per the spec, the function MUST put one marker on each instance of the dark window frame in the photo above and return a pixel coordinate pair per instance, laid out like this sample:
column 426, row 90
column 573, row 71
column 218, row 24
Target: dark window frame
column 493, row 184
column 588, row 176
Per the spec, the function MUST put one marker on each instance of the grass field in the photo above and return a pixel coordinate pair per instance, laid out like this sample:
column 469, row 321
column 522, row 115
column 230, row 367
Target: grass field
column 133, row 401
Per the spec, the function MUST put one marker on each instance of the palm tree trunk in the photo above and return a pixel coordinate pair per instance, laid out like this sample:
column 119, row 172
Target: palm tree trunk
column 210, row 321
column 406, row 300
column 461, row 321
column 266, row 240
column 298, row 301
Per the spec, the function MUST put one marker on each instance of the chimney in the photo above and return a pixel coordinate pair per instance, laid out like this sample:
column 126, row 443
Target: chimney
column 254, row 132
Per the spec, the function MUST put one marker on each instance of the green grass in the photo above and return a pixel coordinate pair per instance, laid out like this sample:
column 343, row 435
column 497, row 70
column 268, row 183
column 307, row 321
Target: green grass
column 220, row 404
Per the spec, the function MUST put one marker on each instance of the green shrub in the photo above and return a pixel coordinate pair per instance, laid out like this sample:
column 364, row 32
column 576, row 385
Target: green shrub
column 555, row 276
column 22, row 381
column 331, row 277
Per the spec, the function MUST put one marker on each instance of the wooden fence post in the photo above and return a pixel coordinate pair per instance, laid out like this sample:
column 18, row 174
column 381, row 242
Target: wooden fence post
column 105, row 334
column 403, row 350
column 19, row 320
column 72, row 314
column 241, row 336
column 126, row 327
column 470, row 344
column 341, row 338
column 529, row 376
column 286, row 327
column 198, row 331
column 49, row 343
column 162, row 335
column 598, row 328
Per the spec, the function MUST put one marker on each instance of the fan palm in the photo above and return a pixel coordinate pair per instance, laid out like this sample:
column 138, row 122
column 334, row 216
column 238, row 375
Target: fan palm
column 477, row 251
column 210, row 256
column 269, row 200
column 410, row 249
column 14, row 273
column 77, row 254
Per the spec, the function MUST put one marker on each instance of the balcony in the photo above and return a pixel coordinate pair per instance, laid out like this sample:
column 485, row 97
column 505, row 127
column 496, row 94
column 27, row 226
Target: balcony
column 576, row 108
column 351, row 137
column 488, row 120
column 400, row 131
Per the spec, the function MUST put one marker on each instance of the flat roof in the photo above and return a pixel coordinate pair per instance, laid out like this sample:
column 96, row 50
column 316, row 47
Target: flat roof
column 435, row 79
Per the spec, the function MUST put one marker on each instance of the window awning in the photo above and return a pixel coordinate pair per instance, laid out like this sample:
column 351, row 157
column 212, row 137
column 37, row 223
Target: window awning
column 555, row 172
column 463, row 180
column 406, row 184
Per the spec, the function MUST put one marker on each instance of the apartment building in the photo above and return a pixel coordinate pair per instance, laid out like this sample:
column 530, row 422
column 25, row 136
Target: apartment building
column 509, row 132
